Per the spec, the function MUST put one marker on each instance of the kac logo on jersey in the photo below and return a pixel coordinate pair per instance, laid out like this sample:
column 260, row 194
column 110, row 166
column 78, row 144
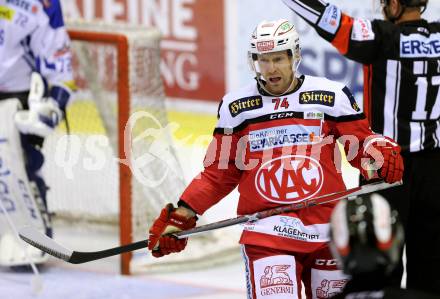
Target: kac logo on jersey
column 289, row 179
column 320, row 97
column 245, row 104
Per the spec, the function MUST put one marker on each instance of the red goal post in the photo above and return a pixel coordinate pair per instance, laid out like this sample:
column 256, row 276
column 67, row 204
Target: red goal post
column 121, row 43
column 117, row 71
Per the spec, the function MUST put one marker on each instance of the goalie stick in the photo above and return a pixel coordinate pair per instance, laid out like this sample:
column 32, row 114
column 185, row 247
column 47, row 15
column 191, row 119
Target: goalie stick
column 50, row 246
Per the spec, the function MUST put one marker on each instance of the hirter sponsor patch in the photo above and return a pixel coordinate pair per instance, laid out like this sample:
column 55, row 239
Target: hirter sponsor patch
column 245, row 104
column 320, row 97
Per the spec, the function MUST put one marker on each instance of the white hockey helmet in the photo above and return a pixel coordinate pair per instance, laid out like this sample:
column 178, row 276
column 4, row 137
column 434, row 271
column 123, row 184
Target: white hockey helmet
column 274, row 36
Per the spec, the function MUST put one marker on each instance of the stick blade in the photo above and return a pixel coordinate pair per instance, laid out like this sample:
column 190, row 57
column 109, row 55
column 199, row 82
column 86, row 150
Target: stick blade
column 39, row 240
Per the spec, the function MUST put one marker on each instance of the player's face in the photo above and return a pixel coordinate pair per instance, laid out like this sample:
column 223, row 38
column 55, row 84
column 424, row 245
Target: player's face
column 276, row 70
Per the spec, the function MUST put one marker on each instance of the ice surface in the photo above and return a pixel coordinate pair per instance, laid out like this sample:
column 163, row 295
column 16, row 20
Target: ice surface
column 60, row 282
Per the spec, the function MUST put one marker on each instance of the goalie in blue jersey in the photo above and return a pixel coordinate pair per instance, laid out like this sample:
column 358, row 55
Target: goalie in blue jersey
column 33, row 44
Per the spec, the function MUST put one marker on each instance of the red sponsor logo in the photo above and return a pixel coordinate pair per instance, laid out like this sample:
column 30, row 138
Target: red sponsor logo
column 289, row 179
column 265, row 46
column 276, row 280
column 330, row 288
column 364, row 29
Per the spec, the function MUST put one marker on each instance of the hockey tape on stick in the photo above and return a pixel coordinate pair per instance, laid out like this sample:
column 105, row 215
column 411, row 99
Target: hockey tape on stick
column 48, row 245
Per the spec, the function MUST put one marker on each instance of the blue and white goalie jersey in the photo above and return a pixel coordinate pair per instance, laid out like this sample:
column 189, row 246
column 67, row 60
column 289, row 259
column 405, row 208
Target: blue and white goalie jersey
column 33, row 38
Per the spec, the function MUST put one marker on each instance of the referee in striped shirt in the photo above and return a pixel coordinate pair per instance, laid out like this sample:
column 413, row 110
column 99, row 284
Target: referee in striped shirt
column 401, row 58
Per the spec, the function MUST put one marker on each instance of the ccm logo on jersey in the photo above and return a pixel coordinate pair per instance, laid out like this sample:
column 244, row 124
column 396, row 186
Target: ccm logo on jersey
column 320, row 97
column 245, row 104
column 289, row 179
column 323, row 262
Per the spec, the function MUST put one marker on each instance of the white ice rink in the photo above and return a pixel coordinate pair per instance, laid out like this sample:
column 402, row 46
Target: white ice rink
column 60, row 282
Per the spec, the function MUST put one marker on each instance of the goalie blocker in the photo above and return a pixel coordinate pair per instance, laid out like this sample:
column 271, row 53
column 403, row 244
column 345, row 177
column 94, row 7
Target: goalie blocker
column 17, row 194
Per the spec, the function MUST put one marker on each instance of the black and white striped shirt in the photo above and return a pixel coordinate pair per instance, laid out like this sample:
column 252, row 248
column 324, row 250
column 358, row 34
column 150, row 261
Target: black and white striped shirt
column 401, row 70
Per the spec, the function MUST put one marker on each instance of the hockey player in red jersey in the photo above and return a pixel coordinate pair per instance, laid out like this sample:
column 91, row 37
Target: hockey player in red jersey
column 276, row 140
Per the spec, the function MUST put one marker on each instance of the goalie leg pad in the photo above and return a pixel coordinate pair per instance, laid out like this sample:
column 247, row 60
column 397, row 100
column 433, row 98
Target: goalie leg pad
column 15, row 190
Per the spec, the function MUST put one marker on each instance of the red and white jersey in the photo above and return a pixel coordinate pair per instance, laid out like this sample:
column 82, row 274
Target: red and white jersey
column 281, row 150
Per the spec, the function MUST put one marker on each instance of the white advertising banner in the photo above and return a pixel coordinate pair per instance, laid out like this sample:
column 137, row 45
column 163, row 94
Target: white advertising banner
column 204, row 50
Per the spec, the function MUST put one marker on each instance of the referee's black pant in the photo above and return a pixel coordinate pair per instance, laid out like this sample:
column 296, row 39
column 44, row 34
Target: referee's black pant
column 418, row 203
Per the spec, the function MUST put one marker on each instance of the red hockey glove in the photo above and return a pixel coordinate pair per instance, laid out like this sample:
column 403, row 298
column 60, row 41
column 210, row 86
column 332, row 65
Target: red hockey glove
column 387, row 160
column 160, row 242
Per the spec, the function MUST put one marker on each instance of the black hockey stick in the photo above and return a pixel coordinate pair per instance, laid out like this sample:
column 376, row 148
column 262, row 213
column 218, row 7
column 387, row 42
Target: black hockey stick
column 48, row 245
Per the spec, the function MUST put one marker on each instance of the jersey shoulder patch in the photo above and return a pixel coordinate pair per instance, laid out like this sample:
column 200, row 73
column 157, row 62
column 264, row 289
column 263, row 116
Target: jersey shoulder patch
column 235, row 103
column 245, row 104
column 320, row 97
column 244, row 99
column 362, row 30
column 330, row 19
column 330, row 97
column 318, row 91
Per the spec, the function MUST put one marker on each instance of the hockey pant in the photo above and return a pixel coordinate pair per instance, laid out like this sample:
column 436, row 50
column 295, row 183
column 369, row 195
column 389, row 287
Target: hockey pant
column 277, row 274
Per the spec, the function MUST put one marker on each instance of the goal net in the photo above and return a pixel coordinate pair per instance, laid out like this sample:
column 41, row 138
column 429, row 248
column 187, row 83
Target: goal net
column 113, row 164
